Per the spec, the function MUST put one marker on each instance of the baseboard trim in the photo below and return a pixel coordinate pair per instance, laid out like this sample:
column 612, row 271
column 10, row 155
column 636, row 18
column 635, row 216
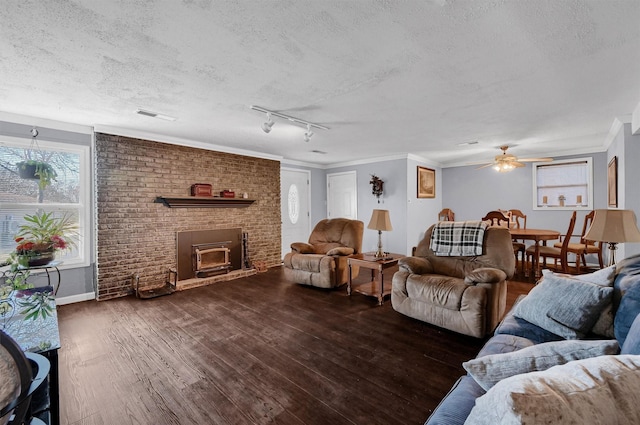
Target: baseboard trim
column 76, row 298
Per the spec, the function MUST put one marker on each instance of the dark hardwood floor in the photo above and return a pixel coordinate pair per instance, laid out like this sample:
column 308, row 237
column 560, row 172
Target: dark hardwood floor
column 256, row 350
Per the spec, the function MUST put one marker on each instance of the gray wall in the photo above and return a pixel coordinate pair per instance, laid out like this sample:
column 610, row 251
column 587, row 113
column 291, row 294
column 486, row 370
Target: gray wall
column 421, row 212
column 392, row 173
column 627, row 149
column 471, row 193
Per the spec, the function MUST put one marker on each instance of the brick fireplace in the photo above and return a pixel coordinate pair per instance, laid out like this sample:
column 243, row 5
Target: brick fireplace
column 137, row 235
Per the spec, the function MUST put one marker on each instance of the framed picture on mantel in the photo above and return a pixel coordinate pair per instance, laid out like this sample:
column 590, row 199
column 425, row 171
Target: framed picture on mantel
column 426, row 182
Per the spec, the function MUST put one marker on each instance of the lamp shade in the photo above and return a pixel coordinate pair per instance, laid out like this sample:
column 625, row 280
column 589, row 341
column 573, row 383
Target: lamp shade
column 380, row 221
column 613, row 226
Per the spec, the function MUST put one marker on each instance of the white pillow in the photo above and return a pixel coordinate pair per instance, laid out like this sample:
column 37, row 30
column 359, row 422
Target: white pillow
column 595, row 391
column 491, row 369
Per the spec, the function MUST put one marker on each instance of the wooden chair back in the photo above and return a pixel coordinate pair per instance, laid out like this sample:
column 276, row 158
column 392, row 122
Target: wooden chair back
column 446, row 215
column 585, row 226
column 518, row 219
column 496, row 219
column 564, row 260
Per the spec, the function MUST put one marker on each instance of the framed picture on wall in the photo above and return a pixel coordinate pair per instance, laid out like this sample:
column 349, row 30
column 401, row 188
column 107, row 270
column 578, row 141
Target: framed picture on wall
column 426, row 182
column 612, row 181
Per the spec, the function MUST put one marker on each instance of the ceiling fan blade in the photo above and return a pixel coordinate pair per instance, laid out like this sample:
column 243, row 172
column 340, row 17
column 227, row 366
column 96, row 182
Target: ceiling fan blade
column 517, row 164
column 484, row 166
column 535, row 159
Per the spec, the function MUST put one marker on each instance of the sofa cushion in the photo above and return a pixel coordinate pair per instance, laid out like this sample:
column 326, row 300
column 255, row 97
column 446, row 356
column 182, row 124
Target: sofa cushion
column 455, row 407
column 491, row 369
column 627, row 313
column 443, row 291
column 627, row 276
column 632, row 341
column 504, row 344
column 564, row 306
column 599, row 390
column 512, row 325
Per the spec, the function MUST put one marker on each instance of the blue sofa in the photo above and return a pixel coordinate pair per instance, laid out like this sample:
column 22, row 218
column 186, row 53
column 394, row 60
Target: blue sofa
column 514, row 333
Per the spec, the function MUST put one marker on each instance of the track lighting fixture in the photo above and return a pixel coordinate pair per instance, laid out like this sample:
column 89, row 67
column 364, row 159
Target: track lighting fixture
column 266, row 127
column 308, row 134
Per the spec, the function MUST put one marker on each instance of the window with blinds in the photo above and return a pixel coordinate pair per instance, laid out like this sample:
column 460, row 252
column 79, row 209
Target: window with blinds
column 563, row 184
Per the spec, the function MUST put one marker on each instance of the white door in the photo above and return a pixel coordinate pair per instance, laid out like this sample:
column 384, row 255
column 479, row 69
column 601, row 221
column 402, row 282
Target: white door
column 342, row 195
column 295, row 208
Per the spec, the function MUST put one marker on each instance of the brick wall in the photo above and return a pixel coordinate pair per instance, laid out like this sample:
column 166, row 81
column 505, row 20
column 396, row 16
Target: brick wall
column 137, row 235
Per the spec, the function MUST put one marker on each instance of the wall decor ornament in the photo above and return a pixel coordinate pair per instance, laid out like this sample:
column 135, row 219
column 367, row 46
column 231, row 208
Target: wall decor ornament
column 377, row 186
column 426, row 182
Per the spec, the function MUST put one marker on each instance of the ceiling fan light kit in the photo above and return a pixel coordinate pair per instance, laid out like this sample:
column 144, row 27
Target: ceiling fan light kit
column 506, row 162
column 266, row 127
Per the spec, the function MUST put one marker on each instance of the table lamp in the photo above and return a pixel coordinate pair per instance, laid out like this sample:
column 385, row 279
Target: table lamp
column 380, row 221
column 613, row 227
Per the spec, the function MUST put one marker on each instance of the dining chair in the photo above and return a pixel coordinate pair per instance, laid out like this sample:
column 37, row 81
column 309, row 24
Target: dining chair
column 446, row 215
column 557, row 253
column 585, row 247
column 496, row 219
column 518, row 220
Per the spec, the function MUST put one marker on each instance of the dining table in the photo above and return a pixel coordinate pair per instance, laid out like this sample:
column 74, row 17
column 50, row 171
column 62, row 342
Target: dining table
column 537, row 236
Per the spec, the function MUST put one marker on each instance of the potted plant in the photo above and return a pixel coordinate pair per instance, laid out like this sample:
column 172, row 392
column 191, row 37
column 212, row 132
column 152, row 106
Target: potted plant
column 37, row 170
column 41, row 237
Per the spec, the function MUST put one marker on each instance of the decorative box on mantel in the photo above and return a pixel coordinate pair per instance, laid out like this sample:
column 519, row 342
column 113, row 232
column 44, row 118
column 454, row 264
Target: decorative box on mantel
column 201, row 189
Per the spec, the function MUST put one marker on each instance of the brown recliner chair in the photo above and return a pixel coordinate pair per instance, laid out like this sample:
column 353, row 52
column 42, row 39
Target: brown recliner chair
column 322, row 261
column 463, row 294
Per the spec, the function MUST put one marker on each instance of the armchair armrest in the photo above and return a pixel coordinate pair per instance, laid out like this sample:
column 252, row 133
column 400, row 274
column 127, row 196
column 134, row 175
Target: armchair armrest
column 485, row 275
column 341, row 250
column 415, row 265
column 302, row 248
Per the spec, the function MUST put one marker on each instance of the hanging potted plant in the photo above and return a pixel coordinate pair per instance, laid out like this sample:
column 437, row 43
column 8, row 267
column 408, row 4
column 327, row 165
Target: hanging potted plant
column 41, row 237
column 37, row 170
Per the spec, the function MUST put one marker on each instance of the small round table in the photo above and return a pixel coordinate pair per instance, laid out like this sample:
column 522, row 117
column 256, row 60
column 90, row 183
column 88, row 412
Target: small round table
column 50, row 265
column 535, row 235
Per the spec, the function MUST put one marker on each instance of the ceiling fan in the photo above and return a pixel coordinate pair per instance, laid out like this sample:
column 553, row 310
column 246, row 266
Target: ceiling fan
column 506, row 162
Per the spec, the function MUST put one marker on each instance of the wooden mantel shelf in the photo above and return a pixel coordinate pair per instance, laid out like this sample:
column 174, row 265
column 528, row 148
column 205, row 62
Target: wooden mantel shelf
column 204, row 202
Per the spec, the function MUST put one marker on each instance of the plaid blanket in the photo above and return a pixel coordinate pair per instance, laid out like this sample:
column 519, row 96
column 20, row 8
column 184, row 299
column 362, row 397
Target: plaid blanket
column 458, row 238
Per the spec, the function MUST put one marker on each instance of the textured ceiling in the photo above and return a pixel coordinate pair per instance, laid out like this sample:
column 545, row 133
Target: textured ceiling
column 388, row 77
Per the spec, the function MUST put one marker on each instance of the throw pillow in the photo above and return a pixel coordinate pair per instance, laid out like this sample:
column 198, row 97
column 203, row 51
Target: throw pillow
column 599, row 390
column 627, row 311
column 491, row 369
column 603, row 277
column 632, row 341
column 565, row 306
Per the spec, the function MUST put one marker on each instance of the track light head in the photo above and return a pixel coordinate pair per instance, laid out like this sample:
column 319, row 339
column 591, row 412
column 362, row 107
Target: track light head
column 266, row 127
column 308, row 134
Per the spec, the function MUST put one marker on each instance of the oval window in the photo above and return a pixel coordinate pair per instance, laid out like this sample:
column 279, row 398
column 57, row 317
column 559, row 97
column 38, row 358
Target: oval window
column 294, row 204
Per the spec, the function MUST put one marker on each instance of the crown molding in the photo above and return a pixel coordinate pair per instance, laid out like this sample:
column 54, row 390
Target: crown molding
column 44, row 122
column 127, row 132
column 614, row 130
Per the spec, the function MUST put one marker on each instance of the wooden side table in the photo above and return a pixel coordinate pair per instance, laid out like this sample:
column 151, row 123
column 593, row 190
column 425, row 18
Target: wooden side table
column 376, row 287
